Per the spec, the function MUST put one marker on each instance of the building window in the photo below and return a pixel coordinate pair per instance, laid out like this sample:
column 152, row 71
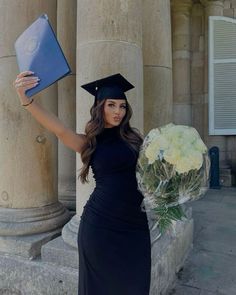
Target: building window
column 222, row 75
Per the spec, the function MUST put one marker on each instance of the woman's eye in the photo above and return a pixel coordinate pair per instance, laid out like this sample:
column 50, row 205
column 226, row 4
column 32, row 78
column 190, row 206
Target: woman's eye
column 112, row 105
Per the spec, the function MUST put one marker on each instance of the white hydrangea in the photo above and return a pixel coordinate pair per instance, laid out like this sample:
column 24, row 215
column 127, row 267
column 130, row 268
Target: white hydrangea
column 179, row 145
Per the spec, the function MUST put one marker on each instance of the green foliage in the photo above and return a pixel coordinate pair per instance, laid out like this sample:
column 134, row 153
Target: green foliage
column 165, row 216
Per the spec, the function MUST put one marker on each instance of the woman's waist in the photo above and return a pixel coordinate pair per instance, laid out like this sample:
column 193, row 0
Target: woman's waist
column 127, row 198
column 123, row 217
column 119, row 182
column 116, row 204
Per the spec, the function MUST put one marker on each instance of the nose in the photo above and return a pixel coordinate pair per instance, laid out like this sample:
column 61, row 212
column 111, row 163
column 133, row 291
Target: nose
column 117, row 110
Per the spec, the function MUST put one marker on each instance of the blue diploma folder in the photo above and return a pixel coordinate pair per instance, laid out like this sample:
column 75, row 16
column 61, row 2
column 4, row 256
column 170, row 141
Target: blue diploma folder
column 37, row 50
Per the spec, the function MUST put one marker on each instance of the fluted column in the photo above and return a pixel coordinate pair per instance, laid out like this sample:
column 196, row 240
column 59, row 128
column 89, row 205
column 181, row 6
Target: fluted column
column 212, row 8
column 28, row 158
column 66, row 32
column 182, row 111
column 108, row 41
column 157, row 57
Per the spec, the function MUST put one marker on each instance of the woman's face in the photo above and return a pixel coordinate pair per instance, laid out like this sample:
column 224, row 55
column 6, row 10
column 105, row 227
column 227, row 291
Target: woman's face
column 114, row 112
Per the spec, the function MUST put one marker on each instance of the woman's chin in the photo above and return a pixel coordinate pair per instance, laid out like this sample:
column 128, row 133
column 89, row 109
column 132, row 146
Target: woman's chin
column 112, row 124
column 117, row 123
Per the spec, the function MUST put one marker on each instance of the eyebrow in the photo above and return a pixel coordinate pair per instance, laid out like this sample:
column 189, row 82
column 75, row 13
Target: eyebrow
column 115, row 102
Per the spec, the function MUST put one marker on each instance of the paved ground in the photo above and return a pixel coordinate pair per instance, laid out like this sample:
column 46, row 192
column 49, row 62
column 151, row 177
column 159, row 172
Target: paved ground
column 210, row 268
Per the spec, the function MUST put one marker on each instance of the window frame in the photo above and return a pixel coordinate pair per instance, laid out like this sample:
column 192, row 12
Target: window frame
column 211, row 81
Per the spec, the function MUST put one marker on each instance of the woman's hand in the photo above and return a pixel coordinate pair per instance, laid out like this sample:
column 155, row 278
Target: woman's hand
column 23, row 82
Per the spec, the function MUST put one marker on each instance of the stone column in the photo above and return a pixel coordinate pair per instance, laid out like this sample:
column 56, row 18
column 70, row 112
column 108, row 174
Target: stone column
column 197, row 68
column 28, row 159
column 212, row 8
column 66, row 32
column 157, row 56
column 182, row 111
column 109, row 36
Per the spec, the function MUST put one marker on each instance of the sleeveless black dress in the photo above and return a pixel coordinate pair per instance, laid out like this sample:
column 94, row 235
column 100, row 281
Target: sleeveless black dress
column 114, row 239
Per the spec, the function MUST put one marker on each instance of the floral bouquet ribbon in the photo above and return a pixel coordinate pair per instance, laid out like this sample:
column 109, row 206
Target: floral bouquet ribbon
column 172, row 168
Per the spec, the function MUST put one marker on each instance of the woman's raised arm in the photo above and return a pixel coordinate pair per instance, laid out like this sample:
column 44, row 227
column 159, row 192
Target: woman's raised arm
column 51, row 122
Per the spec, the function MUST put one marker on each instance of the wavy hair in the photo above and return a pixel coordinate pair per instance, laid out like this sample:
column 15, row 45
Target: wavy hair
column 96, row 125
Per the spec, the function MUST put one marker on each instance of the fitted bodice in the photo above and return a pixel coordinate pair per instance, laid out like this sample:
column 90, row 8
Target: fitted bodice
column 113, row 164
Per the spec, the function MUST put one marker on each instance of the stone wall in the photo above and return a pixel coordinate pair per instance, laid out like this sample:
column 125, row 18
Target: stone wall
column 200, row 12
column 230, row 11
column 230, row 8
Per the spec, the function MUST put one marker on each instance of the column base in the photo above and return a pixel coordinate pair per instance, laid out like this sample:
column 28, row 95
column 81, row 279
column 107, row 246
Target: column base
column 68, row 200
column 26, row 246
column 70, row 231
column 22, row 222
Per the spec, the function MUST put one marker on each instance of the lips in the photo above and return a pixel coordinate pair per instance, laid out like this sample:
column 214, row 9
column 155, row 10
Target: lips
column 117, row 118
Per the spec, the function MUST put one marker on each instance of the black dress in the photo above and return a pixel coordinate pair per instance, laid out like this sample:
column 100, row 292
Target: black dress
column 114, row 239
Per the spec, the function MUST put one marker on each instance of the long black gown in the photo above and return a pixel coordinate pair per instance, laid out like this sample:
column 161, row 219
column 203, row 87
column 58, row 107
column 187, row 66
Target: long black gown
column 114, row 239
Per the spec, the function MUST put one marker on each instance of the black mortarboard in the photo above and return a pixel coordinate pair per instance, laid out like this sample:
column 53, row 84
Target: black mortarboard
column 113, row 86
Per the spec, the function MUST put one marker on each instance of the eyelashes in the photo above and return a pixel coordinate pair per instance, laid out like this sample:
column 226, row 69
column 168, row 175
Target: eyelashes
column 112, row 105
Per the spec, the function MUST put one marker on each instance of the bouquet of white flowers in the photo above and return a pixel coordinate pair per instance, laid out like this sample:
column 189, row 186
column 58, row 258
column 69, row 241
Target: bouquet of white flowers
column 172, row 168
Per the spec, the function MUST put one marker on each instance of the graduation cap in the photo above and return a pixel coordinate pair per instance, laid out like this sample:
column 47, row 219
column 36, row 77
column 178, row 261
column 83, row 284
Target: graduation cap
column 113, row 86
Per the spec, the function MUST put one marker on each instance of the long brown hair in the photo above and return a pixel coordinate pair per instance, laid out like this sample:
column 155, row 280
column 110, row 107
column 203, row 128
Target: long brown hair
column 96, row 125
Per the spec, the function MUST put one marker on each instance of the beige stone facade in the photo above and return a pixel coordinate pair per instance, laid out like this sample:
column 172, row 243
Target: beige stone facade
column 161, row 47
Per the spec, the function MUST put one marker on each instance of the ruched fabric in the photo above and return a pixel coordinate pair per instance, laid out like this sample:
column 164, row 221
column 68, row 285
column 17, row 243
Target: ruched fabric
column 114, row 239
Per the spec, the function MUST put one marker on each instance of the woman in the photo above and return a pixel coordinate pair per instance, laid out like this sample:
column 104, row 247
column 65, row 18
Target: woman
column 113, row 239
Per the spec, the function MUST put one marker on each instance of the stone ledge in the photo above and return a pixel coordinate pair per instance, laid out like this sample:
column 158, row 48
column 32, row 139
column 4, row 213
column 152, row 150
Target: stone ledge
column 169, row 253
column 19, row 276
column 58, row 252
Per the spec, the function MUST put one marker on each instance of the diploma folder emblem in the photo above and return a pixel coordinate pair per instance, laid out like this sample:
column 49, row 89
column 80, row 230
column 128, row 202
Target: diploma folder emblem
column 38, row 50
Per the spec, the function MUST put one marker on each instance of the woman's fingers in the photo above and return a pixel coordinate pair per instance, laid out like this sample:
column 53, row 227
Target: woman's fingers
column 30, row 86
column 26, row 80
column 23, row 82
column 29, row 82
column 29, row 79
column 25, row 73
